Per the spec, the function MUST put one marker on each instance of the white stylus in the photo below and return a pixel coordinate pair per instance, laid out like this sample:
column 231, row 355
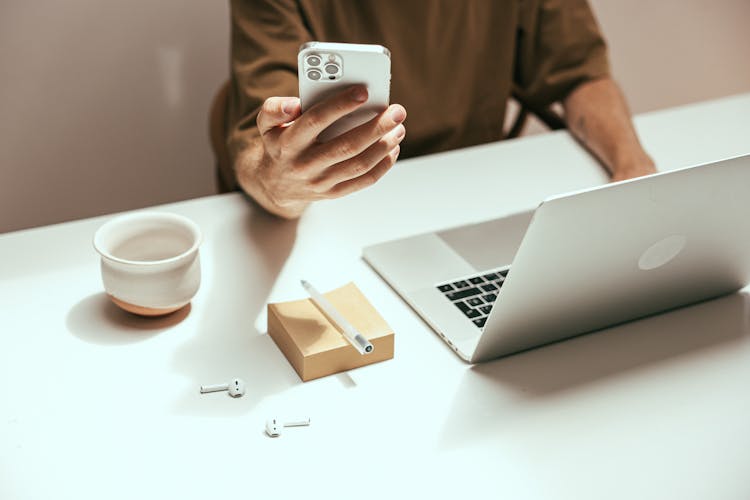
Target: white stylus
column 351, row 334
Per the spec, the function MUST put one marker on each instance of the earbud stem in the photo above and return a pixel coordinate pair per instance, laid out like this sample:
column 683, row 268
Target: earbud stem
column 298, row 422
column 214, row 388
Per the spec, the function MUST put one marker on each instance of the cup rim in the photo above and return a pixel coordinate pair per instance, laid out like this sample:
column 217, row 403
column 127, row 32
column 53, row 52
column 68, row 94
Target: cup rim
column 148, row 215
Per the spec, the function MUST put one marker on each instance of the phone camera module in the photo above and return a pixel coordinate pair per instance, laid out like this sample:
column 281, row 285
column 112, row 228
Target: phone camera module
column 314, row 74
column 313, row 61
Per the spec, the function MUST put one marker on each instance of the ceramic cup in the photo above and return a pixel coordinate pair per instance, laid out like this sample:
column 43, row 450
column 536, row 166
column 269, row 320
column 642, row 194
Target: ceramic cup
column 149, row 261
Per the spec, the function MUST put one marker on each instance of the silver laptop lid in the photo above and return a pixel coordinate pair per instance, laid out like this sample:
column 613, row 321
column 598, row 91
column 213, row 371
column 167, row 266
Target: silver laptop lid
column 601, row 256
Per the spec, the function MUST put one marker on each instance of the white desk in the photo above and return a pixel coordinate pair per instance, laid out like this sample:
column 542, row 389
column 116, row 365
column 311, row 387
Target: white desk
column 99, row 404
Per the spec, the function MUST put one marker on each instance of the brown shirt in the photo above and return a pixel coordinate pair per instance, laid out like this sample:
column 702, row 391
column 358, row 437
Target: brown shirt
column 453, row 62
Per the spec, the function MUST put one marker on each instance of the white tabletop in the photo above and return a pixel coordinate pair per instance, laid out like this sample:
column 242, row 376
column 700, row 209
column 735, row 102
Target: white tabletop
column 99, row 404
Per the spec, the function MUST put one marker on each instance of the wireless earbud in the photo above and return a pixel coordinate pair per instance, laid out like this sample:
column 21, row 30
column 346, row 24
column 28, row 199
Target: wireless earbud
column 236, row 388
column 274, row 426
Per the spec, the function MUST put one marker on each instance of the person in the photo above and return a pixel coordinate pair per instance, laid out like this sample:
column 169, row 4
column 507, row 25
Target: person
column 454, row 66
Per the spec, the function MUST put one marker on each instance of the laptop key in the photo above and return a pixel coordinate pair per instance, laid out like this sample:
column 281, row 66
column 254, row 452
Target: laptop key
column 490, row 277
column 480, row 322
column 473, row 313
column 469, row 312
column 475, row 301
column 485, row 309
column 490, row 298
column 445, row 288
column 477, row 280
column 504, row 273
column 460, row 284
column 489, row 287
column 462, row 294
column 463, row 306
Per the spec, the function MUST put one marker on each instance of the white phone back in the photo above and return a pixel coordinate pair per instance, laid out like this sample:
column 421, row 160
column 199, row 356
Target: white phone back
column 368, row 65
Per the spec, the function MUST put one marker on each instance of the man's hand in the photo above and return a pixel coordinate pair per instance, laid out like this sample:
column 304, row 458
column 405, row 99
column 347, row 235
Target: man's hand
column 286, row 168
column 645, row 167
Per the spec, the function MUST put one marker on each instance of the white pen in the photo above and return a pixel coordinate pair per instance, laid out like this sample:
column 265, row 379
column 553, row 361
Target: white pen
column 351, row 334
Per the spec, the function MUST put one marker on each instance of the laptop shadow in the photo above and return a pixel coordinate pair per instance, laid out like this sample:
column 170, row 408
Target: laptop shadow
column 492, row 395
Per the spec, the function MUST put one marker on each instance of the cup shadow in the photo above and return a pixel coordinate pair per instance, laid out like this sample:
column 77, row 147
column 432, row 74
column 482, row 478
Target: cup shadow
column 492, row 395
column 96, row 320
column 247, row 256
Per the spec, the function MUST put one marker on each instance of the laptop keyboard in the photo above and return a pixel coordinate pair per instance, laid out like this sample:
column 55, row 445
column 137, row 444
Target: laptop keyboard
column 474, row 295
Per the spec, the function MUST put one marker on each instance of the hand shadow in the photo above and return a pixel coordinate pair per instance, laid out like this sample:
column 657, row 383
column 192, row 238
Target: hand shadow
column 97, row 320
column 491, row 396
column 244, row 268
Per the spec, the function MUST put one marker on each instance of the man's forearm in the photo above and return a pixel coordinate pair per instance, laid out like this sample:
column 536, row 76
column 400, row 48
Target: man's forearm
column 597, row 115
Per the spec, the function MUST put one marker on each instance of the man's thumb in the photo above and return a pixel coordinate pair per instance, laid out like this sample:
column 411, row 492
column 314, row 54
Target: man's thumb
column 277, row 111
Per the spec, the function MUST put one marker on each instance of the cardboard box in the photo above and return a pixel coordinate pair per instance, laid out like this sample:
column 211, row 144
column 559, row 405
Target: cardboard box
column 313, row 344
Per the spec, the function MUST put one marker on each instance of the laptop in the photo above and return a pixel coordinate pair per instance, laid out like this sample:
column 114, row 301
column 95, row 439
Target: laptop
column 580, row 262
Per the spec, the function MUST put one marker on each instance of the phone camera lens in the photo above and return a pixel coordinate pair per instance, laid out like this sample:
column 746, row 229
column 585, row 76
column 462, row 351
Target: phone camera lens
column 314, row 74
column 332, row 69
column 313, row 61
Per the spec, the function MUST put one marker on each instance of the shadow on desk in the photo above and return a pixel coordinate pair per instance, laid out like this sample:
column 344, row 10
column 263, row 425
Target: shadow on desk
column 97, row 320
column 245, row 258
column 491, row 395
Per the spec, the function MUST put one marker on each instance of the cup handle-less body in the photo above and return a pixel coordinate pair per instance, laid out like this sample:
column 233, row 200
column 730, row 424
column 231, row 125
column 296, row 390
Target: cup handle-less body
column 150, row 263
column 168, row 286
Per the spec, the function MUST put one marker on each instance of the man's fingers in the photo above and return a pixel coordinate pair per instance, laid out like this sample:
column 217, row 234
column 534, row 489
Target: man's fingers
column 368, row 179
column 360, row 138
column 277, row 111
column 362, row 163
column 316, row 119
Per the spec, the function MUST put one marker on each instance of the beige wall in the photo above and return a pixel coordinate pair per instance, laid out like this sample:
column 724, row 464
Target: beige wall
column 103, row 104
column 670, row 52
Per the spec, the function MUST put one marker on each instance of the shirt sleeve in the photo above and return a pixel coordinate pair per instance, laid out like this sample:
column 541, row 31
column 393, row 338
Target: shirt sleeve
column 265, row 38
column 559, row 47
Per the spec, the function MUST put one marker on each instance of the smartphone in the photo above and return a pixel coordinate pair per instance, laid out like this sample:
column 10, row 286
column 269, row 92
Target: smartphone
column 327, row 68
